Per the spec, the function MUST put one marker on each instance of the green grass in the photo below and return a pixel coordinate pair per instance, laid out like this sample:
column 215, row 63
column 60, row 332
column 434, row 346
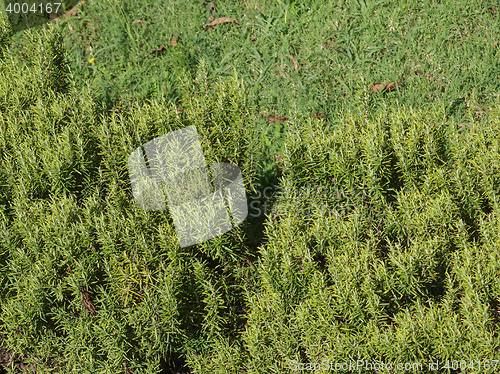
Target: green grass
column 341, row 48
column 382, row 242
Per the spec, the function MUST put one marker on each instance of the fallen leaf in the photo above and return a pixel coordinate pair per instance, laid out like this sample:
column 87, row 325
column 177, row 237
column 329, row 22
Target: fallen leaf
column 496, row 44
column 493, row 11
column 318, row 115
column 274, row 118
column 174, row 40
column 218, row 21
column 295, row 63
column 127, row 370
column 419, row 72
column 212, row 7
column 159, row 50
column 391, row 86
column 71, row 12
column 141, row 21
column 87, row 303
column 376, row 87
column 180, row 110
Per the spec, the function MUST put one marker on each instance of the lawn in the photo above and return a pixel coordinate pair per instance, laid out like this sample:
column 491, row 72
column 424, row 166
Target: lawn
column 368, row 137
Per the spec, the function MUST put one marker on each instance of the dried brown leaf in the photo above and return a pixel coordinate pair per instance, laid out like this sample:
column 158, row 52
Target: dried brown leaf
column 174, row 40
column 159, row 50
column 127, row 370
column 294, row 60
column 391, row 86
column 274, row 118
column 376, row 87
column 218, row 21
column 496, row 44
column 87, row 303
column 318, row 115
column 212, row 7
column 141, row 21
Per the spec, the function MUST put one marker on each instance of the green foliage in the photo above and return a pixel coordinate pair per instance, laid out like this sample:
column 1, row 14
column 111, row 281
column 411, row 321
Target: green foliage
column 383, row 240
column 383, row 247
column 5, row 34
column 46, row 129
column 87, row 279
column 341, row 48
column 223, row 116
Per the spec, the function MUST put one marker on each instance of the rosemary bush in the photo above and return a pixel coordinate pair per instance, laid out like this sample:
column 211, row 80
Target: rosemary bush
column 383, row 247
column 89, row 282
